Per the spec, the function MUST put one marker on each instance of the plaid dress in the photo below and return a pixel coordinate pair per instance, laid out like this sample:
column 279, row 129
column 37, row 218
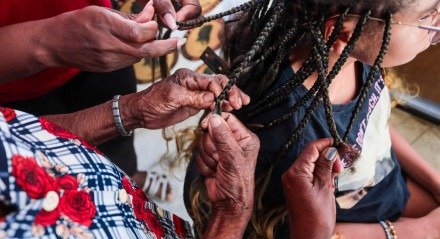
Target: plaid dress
column 53, row 184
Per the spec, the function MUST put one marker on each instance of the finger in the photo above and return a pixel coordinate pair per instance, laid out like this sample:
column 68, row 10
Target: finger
column 241, row 135
column 202, row 167
column 195, row 99
column 311, row 152
column 159, row 48
column 131, row 31
column 207, row 154
column 304, row 166
column 196, row 81
column 245, row 98
column 191, row 9
column 222, row 136
column 211, row 150
column 338, row 167
column 204, row 123
column 323, row 173
column 234, row 98
column 167, row 14
column 147, row 13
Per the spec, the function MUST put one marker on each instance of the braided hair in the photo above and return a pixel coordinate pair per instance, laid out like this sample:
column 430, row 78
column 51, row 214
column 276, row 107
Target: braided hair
column 272, row 28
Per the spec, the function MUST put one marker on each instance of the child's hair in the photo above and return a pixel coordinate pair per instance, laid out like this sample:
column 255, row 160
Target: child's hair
column 268, row 29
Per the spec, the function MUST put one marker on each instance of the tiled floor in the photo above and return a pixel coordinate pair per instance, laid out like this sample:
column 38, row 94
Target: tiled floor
column 423, row 135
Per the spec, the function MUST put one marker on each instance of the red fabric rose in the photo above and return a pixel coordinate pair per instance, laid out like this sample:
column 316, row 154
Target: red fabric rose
column 153, row 223
column 32, row 178
column 138, row 208
column 127, row 185
column 78, row 206
column 45, row 218
column 9, row 114
column 67, row 182
column 139, row 193
column 179, row 226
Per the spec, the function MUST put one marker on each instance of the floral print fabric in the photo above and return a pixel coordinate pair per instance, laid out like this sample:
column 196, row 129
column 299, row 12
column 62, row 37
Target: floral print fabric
column 56, row 185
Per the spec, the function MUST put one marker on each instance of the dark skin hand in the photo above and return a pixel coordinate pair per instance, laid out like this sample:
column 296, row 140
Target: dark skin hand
column 163, row 104
column 308, row 186
column 98, row 39
column 227, row 158
column 190, row 9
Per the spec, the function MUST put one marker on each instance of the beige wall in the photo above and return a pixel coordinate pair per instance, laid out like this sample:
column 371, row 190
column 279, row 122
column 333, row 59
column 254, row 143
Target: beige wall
column 425, row 72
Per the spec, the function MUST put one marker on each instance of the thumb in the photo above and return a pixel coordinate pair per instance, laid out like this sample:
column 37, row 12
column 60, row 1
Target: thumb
column 222, row 135
column 196, row 99
column 323, row 172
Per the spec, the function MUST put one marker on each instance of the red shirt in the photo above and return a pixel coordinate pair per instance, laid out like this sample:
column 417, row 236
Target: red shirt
column 16, row 11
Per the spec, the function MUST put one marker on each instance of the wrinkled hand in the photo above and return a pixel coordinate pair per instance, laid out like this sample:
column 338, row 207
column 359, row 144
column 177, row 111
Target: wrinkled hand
column 101, row 40
column 182, row 95
column 190, row 9
column 309, row 190
column 227, row 157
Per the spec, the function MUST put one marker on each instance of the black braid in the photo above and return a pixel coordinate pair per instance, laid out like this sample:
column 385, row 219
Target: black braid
column 303, row 73
column 322, row 65
column 200, row 21
column 335, row 70
column 372, row 75
column 256, row 49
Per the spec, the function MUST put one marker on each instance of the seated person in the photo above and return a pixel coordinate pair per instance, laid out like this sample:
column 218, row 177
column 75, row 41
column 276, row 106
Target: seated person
column 312, row 69
column 55, row 183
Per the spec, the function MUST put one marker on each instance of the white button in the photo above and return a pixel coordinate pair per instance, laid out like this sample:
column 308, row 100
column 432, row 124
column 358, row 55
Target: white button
column 123, row 196
column 160, row 212
column 51, row 201
column 75, row 142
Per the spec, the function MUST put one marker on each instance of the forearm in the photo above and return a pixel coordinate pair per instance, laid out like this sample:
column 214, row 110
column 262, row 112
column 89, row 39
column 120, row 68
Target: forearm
column 413, row 164
column 96, row 124
column 409, row 228
column 228, row 226
column 21, row 53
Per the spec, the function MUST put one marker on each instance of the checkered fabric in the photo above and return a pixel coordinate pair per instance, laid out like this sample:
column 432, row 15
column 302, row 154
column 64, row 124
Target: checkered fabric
column 55, row 185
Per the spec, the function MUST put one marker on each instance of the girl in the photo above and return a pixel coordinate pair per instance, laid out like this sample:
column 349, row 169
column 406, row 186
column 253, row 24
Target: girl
column 313, row 70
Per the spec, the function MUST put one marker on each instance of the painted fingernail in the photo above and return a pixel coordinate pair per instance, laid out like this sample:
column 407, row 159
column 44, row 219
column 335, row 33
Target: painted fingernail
column 331, row 153
column 215, row 121
column 181, row 42
column 170, row 21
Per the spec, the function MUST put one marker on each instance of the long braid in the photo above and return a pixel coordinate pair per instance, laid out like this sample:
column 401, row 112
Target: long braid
column 322, row 65
column 372, row 75
column 256, row 49
column 335, row 70
column 200, row 21
column 305, row 71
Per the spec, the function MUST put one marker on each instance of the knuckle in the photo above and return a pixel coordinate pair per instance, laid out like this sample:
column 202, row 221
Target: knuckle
column 147, row 51
column 134, row 34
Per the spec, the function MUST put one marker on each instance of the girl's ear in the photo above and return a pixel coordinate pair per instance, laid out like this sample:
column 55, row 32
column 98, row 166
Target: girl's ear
column 343, row 37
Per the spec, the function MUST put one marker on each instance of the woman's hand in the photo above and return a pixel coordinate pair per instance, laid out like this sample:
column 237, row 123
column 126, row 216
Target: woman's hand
column 190, row 9
column 180, row 96
column 100, row 39
column 226, row 158
column 309, row 189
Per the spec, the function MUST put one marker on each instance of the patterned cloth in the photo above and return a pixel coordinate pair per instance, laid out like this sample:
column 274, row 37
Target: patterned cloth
column 56, row 185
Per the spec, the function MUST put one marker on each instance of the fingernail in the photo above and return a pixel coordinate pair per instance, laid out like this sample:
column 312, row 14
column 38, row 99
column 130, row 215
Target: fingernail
column 208, row 97
column 150, row 3
column 181, row 42
column 331, row 153
column 170, row 21
column 215, row 121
